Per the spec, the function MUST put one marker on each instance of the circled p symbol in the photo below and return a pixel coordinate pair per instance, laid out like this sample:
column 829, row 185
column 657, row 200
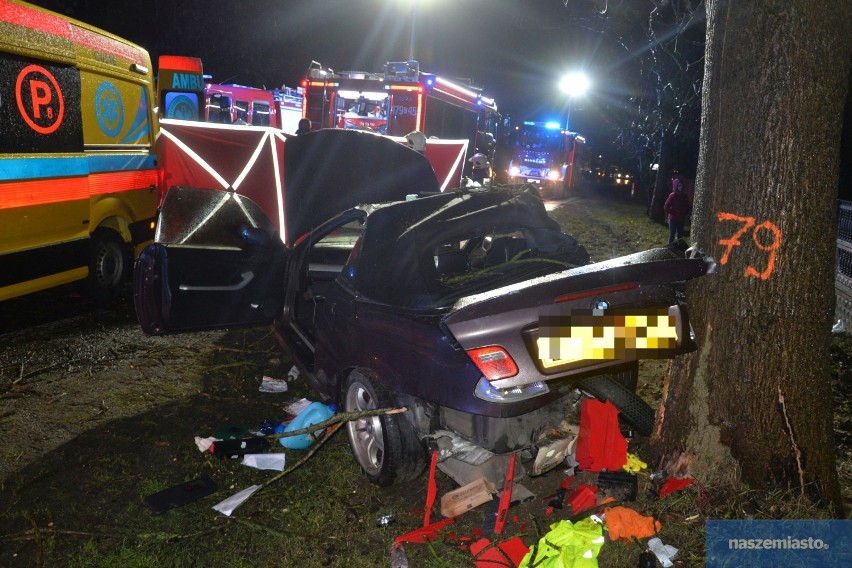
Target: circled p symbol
column 39, row 99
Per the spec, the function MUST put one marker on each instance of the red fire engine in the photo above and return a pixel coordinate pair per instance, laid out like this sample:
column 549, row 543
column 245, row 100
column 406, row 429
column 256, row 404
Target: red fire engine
column 279, row 108
column 544, row 153
column 398, row 101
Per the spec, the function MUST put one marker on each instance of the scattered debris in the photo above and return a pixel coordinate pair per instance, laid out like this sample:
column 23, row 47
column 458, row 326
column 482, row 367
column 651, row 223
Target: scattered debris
column 675, row 484
column 237, row 448
column 600, row 444
column 567, row 543
column 268, row 384
column 627, row 524
column 398, row 559
column 180, row 494
column 487, row 555
column 467, row 497
column 274, row 461
column 665, row 553
column 227, row 506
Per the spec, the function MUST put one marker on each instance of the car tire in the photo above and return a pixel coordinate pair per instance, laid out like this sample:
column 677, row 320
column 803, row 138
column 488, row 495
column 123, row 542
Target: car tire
column 109, row 265
column 633, row 409
column 386, row 447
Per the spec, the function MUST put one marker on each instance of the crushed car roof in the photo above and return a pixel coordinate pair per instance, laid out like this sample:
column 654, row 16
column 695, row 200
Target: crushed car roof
column 395, row 263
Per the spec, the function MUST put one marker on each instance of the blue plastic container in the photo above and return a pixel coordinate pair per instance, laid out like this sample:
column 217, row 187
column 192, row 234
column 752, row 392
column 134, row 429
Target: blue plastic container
column 314, row 413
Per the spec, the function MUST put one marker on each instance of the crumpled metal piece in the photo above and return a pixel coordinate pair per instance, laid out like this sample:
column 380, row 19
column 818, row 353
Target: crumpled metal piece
column 451, row 445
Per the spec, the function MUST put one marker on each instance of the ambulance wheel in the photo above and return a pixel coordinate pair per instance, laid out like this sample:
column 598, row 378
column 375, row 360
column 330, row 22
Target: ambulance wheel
column 632, row 409
column 386, row 447
column 109, row 265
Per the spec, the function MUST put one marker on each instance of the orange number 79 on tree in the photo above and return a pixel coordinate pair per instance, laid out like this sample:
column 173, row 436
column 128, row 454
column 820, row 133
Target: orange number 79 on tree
column 748, row 223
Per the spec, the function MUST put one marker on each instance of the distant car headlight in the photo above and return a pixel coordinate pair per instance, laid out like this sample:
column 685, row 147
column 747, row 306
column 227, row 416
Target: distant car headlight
column 553, row 175
column 514, row 171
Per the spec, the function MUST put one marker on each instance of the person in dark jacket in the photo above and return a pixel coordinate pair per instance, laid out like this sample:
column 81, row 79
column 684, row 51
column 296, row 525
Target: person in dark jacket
column 304, row 126
column 676, row 208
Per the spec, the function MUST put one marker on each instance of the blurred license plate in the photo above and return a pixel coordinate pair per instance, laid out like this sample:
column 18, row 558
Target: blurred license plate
column 606, row 335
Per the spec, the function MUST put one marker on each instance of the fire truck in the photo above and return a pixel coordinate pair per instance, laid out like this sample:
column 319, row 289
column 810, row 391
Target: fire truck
column 544, row 153
column 399, row 100
column 228, row 104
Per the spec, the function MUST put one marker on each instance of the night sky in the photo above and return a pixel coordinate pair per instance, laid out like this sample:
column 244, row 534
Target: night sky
column 516, row 50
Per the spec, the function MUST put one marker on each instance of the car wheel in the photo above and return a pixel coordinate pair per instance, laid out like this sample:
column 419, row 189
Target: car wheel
column 633, row 409
column 386, row 447
column 109, row 265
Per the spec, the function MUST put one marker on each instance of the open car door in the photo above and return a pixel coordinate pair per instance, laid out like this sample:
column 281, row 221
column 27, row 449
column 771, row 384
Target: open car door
column 217, row 262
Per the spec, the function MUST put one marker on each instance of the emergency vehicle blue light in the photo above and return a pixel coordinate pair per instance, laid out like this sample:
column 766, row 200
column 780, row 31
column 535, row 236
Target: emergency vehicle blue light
column 430, row 82
column 529, row 123
column 552, row 125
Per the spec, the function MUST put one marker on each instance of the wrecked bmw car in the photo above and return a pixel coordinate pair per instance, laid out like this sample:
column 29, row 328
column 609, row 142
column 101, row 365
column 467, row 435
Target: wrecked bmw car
column 472, row 308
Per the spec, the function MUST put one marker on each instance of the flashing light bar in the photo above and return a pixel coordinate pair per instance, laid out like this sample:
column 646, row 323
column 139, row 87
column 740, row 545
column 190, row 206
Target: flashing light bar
column 319, row 84
column 458, row 88
column 552, row 125
column 369, row 95
column 180, row 63
column 417, row 88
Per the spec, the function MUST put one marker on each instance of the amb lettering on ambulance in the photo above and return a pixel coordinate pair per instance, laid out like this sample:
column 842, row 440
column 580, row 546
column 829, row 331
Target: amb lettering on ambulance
column 78, row 177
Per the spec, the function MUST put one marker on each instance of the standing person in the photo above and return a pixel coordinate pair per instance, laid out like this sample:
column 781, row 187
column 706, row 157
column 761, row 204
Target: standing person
column 416, row 141
column 676, row 207
column 304, row 126
column 481, row 168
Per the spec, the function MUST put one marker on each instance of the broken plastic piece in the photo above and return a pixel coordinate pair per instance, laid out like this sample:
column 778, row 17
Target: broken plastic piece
column 634, row 464
column 600, row 444
column 620, row 485
column 180, row 494
column 238, row 448
column 428, row 530
column 675, row 484
column 505, row 497
column 584, row 497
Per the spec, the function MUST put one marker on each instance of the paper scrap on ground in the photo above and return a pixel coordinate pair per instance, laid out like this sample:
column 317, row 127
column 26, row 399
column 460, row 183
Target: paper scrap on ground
column 294, row 408
column 268, row 384
column 293, row 374
column 265, row 461
column 205, row 443
column 227, row 506
column 665, row 553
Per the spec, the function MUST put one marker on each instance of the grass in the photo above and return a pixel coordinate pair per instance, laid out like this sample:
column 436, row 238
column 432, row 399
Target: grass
column 82, row 504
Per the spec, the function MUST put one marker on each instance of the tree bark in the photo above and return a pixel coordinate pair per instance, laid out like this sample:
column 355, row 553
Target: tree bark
column 754, row 400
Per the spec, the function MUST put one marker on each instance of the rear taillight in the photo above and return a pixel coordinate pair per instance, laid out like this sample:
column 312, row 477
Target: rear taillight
column 493, row 362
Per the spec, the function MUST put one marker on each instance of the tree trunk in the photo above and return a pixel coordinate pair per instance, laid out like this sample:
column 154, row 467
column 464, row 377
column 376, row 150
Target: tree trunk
column 755, row 399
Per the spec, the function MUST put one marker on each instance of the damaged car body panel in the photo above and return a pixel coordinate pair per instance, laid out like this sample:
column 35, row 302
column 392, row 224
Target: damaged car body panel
column 442, row 303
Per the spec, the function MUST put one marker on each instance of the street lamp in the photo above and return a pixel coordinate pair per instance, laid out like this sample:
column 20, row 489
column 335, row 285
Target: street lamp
column 574, row 85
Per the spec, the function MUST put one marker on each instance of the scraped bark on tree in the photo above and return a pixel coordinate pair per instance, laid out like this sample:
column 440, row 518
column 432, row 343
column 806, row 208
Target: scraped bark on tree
column 754, row 399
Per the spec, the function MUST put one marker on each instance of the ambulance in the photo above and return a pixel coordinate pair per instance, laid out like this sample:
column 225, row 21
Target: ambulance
column 79, row 184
